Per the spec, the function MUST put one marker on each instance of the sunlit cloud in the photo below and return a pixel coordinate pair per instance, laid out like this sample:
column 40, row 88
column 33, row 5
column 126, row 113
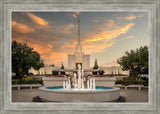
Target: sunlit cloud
column 37, row 19
column 139, row 16
column 77, row 12
column 128, row 37
column 55, row 40
column 129, row 17
column 96, row 48
column 98, row 42
column 21, row 28
column 126, row 28
column 69, row 47
column 67, row 28
column 50, row 46
column 74, row 14
column 109, row 34
column 94, row 43
column 48, row 54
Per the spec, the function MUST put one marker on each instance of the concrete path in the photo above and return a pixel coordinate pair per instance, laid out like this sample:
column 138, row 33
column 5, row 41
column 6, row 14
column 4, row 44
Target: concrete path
column 131, row 95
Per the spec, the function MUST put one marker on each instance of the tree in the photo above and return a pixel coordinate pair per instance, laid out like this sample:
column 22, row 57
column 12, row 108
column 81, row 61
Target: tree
column 62, row 67
column 23, row 58
column 95, row 66
column 136, row 61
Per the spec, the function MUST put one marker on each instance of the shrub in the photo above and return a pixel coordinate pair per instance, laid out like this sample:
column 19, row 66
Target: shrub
column 26, row 80
column 101, row 72
column 130, row 80
column 125, row 83
column 118, row 81
column 142, row 81
column 54, row 72
column 15, row 81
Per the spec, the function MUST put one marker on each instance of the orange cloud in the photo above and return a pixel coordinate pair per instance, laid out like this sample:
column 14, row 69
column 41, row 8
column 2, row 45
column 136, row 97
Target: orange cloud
column 129, row 17
column 109, row 34
column 18, row 40
column 74, row 14
column 47, row 51
column 66, row 29
column 37, row 19
column 48, row 54
column 96, row 48
column 129, row 37
column 21, row 28
column 69, row 46
column 126, row 28
column 50, row 46
column 77, row 12
column 139, row 16
column 96, row 41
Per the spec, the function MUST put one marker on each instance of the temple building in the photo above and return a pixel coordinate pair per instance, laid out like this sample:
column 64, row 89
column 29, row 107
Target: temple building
column 78, row 57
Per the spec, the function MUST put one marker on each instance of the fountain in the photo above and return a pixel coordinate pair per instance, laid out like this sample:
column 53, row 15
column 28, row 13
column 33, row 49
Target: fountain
column 79, row 82
column 79, row 92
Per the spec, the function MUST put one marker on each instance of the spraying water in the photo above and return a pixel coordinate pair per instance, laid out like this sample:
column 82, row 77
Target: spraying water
column 79, row 84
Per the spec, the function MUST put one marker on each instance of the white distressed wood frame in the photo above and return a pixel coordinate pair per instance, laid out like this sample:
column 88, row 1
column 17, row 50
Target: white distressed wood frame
column 150, row 6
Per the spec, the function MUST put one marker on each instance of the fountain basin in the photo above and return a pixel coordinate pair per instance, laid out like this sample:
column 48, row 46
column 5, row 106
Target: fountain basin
column 100, row 94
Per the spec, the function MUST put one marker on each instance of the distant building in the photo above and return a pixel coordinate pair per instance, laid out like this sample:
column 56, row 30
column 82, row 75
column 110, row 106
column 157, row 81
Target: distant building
column 115, row 70
column 42, row 71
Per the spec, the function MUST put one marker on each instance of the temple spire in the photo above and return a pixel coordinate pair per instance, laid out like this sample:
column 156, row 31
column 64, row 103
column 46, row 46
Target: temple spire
column 78, row 31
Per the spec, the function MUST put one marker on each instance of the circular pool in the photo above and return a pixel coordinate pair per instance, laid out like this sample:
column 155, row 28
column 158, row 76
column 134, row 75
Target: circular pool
column 100, row 94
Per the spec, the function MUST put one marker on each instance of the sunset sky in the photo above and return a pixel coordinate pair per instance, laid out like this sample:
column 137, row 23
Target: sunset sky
column 106, row 36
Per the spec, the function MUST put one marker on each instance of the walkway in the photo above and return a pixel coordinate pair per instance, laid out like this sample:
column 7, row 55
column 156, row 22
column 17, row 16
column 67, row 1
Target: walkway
column 131, row 95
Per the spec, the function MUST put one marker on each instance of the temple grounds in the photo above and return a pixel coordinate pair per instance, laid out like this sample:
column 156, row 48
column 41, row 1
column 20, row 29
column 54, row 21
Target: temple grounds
column 130, row 95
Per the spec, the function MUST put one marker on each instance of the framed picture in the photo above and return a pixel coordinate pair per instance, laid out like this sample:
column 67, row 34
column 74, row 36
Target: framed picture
column 92, row 56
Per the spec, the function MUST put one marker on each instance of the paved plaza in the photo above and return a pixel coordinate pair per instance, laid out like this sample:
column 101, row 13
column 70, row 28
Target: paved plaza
column 130, row 95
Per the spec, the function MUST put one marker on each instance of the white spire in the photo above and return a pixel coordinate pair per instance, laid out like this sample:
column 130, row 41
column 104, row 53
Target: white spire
column 79, row 53
column 78, row 31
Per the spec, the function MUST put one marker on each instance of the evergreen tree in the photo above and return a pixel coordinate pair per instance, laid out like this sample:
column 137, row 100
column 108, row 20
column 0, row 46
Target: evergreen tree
column 95, row 64
column 62, row 67
column 95, row 67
